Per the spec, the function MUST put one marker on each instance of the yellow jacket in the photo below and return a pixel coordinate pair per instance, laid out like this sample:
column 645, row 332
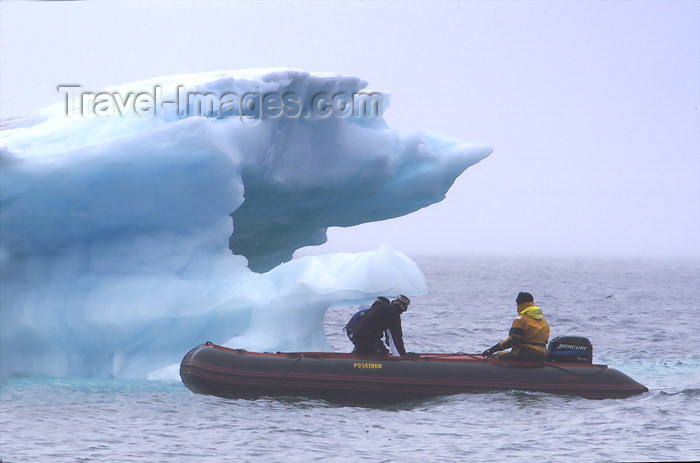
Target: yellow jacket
column 530, row 332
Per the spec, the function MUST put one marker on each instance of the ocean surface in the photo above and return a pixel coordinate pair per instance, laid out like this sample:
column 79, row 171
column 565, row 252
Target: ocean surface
column 642, row 317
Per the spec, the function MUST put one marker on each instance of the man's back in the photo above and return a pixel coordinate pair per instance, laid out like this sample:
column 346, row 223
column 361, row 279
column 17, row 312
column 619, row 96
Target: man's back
column 383, row 315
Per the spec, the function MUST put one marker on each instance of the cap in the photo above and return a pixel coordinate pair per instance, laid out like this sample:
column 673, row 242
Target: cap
column 402, row 301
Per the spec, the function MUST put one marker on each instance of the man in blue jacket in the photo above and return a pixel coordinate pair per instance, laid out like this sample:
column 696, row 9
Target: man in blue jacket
column 382, row 316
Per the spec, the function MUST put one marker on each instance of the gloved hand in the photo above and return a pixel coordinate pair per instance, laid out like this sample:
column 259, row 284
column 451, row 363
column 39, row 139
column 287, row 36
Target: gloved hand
column 492, row 350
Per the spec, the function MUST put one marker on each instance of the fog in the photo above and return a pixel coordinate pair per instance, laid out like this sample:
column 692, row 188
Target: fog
column 592, row 108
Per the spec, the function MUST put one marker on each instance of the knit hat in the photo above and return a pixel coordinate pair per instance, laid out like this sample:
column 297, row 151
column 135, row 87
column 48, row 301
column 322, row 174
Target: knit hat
column 524, row 297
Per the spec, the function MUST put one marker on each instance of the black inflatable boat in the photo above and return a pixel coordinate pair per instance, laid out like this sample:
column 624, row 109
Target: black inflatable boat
column 353, row 379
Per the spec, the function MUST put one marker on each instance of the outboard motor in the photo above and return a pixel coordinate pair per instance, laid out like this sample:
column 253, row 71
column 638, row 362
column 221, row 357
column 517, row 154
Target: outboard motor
column 570, row 349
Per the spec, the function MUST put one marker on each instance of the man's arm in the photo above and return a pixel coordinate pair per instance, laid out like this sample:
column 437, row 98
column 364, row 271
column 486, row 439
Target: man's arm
column 515, row 337
column 397, row 336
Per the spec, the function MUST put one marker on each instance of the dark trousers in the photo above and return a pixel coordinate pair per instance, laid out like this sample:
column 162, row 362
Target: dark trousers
column 370, row 347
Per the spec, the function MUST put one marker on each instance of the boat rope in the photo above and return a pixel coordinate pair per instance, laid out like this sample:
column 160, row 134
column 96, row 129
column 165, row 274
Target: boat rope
column 598, row 371
column 456, row 354
column 480, row 357
column 602, row 369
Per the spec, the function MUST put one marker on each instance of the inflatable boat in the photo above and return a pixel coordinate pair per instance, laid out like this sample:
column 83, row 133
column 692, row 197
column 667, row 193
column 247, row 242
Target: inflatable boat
column 354, row 379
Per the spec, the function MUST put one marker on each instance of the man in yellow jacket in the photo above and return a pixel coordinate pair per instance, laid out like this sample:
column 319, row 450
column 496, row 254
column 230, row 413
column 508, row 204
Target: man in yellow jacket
column 528, row 335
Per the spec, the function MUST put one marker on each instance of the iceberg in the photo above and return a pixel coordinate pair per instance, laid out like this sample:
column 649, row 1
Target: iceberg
column 131, row 232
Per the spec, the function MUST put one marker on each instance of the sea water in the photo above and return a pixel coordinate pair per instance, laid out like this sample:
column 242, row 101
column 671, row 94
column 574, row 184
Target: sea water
column 640, row 315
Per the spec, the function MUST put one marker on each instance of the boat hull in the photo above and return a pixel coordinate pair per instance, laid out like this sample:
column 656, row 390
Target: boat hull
column 354, row 379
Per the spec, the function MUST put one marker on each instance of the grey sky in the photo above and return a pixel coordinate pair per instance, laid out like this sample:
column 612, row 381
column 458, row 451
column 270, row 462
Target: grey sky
column 592, row 108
